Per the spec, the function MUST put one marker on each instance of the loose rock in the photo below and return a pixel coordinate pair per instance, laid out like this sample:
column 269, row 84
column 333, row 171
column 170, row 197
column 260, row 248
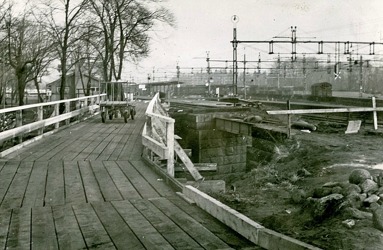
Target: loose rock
column 348, row 223
column 377, row 218
column 371, row 199
column 325, row 207
column 358, row 214
column 369, row 186
column 358, row 176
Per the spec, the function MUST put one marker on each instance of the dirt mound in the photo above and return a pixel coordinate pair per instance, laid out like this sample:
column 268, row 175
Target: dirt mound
column 276, row 191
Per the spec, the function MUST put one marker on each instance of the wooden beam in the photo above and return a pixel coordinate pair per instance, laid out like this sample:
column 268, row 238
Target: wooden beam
column 158, row 148
column 188, row 163
column 18, row 131
column 321, row 111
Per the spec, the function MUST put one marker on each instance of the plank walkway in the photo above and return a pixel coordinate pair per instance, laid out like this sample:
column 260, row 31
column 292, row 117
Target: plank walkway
column 86, row 187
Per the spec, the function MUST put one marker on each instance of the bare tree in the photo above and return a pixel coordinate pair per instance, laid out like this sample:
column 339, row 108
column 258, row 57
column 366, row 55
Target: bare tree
column 125, row 27
column 87, row 56
column 62, row 21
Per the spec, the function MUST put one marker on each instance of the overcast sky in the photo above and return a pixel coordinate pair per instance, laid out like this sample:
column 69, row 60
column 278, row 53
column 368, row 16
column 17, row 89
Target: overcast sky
column 205, row 25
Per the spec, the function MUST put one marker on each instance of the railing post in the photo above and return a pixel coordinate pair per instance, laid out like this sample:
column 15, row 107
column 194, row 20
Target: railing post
column 374, row 113
column 40, row 117
column 19, row 123
column 67, row 110
column 288, row 120
column 57, row 112
column 149, row 133
column 170, row 145
column 91, row 104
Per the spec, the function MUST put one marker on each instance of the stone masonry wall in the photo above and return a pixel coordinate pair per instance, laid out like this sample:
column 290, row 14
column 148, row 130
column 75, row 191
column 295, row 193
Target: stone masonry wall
column 210, row 145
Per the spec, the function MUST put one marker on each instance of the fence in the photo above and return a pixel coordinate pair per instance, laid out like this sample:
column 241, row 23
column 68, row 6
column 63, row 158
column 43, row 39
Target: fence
column 158, row 138
column 18, row 123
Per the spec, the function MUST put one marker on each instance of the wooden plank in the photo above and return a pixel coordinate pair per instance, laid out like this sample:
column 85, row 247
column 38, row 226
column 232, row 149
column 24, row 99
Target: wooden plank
column 68, row 232
column 2, row 164
column 188, row 163
column 155, row 181
column 219, row 229
column 92, row 229
column 321, row 111
column 157, row 147
column 34, row 194
column 19, row 229
column 43, row 229
column 96, row 139
column 105, row 182
column 69, row 137
column 224, row 213
column 117, row 151
column 74, row 189
column 201, row 167
column 121, row 181
column 117, row 140
column 5, row 218
column 79, row 140
column 92, row 189
column 55, row 189
column 105, row 140
column 138, row 181
column 122, row 236
column 198, row 232
column 16, row 191
column 133, row 149
column 65, row 141
column 33, row 153
column 178, row 238
column 6, row 176
column 142, row 228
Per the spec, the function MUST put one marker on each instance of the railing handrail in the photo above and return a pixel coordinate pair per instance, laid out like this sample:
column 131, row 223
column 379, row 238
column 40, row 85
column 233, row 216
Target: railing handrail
column 42, row 104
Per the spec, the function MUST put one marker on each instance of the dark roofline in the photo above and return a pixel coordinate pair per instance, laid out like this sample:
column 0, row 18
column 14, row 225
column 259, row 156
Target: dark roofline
column 167, row 83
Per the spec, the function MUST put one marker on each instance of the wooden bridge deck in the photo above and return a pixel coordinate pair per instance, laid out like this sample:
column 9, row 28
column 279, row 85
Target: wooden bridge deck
column 86, row 187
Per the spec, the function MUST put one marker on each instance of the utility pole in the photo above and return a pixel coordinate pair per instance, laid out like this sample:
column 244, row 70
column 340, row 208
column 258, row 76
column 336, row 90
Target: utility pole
column 360, row 77
column 293, row 43
column 178, row 79
column 208, row 72
column 244, row 74
column 235, row 20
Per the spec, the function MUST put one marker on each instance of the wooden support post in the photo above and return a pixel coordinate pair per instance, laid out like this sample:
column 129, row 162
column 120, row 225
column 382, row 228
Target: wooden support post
column 40, row 117
column 374, row 113
column 67, row 110
column 148, row 124
column 288, row 120
column 91, row 104
column 57, row 112
column 170, row 145
column 19, row 123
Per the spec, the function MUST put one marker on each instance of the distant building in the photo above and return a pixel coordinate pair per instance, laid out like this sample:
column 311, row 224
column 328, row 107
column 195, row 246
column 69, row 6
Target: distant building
column 321, row 89
column 75, row 84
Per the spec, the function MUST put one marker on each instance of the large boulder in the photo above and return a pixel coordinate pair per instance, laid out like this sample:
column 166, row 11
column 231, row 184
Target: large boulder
column 371, row 199
column 325, row 207
column 358, row 176
column 377, row 218
column 355, row 199
column 351, row 188
column 369, row 186
column 358, row 214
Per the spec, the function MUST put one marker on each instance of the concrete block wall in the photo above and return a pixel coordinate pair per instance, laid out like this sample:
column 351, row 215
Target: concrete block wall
column 210, row 145
column 226, row 149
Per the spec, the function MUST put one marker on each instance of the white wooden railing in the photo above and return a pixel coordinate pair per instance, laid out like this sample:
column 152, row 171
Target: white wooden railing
column 16, row 126
column 158, row 138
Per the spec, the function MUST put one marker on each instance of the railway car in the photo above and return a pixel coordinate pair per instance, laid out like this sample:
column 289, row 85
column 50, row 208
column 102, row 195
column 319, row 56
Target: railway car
column 321, row 89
